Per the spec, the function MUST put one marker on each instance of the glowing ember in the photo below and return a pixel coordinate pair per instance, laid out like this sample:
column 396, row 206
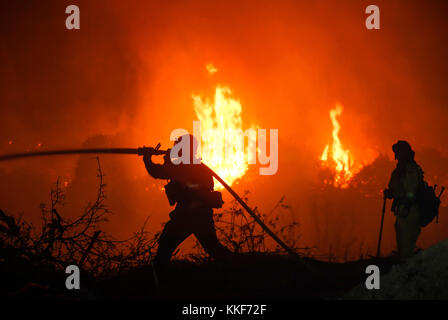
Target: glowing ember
column 211, row 68
column 221, row 126
column 336, row 158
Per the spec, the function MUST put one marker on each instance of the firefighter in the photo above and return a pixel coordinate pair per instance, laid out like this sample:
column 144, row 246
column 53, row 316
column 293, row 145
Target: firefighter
column 403, row 188
column 190, row 188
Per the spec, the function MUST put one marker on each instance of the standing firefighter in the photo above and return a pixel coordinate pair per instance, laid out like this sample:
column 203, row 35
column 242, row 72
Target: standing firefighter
column 404, row 187
column 190, row 188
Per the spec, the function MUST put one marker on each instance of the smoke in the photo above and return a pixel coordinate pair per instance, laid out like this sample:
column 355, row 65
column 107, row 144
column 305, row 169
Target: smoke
column 126, row 78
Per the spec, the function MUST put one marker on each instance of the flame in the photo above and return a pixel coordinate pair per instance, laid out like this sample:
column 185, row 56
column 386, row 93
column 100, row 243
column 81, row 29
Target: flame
column 336, row 157
column 221, row 125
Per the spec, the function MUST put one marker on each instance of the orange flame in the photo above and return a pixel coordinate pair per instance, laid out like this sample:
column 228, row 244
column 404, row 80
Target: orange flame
column 336, row 157
column 221, row 126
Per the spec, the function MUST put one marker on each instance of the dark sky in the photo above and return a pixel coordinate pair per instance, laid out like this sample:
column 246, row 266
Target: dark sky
column 126, row 78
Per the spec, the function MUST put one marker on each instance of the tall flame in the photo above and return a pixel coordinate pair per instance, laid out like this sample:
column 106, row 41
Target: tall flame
column 221, row 125
column 336, row 157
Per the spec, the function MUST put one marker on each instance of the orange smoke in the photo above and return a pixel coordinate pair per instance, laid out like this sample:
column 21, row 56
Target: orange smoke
column 336, row 158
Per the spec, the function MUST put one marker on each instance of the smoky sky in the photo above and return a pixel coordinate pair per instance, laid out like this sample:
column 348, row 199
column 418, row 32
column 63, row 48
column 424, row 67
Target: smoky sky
column 125, row 79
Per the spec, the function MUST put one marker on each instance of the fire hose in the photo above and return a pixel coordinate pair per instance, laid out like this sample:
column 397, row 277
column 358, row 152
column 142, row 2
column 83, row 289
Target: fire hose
column 156, row 151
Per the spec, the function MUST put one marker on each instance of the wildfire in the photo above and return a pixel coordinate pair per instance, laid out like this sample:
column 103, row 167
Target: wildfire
column 335, row 157
column 221, row 123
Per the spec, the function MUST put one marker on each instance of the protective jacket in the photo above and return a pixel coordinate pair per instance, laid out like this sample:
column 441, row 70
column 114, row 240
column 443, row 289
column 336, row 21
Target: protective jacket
column 404, row 186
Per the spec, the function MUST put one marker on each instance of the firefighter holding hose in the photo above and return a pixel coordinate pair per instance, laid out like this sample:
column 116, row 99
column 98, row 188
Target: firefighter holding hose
column 190, row 188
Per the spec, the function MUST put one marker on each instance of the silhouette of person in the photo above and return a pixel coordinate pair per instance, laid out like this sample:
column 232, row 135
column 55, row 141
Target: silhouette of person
column 190, row 186
column 403, row 189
